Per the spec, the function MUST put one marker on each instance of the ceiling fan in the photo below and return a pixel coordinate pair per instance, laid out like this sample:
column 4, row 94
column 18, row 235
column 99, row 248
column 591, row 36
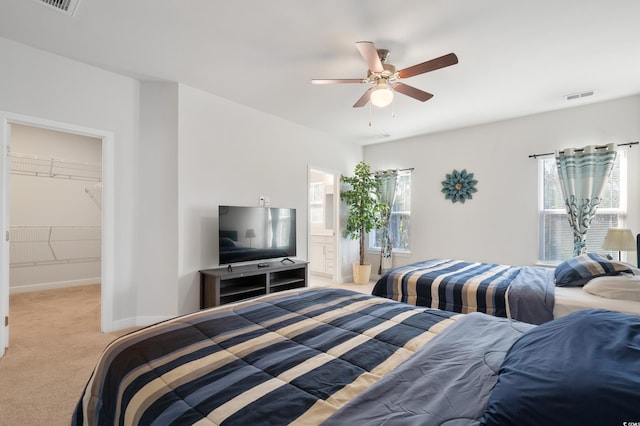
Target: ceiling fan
column 385, row 79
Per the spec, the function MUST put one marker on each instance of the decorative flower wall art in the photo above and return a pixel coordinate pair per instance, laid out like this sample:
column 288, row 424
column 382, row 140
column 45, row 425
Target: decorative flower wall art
column 458, row 186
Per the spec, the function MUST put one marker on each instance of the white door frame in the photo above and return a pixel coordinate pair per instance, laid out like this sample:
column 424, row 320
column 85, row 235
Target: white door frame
column 107, row 267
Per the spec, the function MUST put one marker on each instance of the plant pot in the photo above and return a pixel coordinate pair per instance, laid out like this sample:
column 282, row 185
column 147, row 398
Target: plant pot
column 361, row 273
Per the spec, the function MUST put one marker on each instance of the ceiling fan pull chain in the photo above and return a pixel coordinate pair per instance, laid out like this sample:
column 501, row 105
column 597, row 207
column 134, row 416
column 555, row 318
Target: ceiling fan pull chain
column 370, row 115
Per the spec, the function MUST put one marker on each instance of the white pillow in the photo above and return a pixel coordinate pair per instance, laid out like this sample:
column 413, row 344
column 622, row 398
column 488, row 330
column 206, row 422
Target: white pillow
column 623, row 287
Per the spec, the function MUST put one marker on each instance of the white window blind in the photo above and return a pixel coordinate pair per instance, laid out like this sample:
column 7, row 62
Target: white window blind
column 400, row 222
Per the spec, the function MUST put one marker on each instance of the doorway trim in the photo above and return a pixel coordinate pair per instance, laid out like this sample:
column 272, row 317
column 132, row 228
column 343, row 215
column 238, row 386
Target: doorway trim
column 107, row 266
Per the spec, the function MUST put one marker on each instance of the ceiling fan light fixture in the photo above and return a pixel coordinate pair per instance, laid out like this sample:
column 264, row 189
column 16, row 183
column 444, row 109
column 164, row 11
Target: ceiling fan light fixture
column 381, row 96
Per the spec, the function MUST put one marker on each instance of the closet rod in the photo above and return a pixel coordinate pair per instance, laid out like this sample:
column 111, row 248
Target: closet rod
column 580, row 150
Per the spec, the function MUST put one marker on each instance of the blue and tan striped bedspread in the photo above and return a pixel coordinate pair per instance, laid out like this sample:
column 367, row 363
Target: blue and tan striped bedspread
column 291, row 357
column 522, row 293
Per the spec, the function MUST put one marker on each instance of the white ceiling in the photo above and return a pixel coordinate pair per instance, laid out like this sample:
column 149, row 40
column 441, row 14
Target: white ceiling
column 516, row 57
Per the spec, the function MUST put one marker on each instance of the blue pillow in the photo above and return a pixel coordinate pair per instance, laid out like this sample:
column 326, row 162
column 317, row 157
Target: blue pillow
column 580, row 269
column 582, row 369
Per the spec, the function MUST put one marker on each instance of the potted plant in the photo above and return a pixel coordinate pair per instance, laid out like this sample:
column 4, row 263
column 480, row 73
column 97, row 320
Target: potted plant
column 364, row 213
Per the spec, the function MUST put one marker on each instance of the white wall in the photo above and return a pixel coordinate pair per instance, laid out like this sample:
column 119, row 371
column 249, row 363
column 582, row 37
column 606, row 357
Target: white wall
column 168, row 182
column 232, row 154
column 500, row 223
column 178, row 154
column 71, row 92
column 157, row 194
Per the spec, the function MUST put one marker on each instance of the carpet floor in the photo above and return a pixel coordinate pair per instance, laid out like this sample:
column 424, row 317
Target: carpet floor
column 54, row 343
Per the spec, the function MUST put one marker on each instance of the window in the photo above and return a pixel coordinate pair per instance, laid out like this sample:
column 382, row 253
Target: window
column 400, row 223
column 556, row 238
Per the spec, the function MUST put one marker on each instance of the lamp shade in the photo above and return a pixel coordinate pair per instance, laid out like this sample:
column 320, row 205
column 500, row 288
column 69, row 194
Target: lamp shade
column 250, row 233
column 381, row 96
column 619, row 239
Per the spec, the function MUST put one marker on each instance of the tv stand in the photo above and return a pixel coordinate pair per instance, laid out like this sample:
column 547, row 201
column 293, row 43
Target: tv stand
column 226, row 285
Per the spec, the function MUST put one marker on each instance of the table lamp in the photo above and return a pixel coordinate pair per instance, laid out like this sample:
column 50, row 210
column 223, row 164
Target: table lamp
column 250, row 234
column 619, row 239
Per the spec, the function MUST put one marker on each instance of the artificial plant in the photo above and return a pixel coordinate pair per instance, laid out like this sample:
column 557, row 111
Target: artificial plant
column 365, row 208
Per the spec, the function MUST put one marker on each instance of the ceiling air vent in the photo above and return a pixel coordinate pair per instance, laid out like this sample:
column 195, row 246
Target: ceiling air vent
column 579, row 95
column 68, row 7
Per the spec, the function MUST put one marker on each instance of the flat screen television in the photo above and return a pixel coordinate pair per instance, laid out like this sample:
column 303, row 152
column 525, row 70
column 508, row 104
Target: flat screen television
column 248, row 234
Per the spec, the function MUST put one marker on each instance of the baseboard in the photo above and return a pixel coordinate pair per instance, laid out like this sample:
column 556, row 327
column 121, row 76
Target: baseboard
column 54, row 285
column 122, row 324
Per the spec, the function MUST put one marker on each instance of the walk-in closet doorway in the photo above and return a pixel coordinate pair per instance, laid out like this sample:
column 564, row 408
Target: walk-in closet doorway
column 57, row 210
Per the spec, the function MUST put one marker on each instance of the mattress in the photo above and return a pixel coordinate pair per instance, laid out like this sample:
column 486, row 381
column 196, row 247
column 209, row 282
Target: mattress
column 572, row 299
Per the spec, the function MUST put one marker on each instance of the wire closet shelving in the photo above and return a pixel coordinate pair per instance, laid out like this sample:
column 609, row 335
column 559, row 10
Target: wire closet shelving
column 33, row 165
column 50, row 245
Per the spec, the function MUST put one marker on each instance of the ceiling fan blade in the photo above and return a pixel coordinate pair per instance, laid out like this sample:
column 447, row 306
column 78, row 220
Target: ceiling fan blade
column 337, row 81
column 433, row 64
column 369, row 53
column 411, row 91
column 363, row 99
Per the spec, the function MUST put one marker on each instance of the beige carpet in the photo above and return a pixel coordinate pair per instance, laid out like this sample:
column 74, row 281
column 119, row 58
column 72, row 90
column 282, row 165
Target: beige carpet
column 317, row 280
column 54, row 343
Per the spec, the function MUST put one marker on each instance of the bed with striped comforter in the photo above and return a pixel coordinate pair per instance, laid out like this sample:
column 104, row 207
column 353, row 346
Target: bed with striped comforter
column 519, row 292
column 292, row 357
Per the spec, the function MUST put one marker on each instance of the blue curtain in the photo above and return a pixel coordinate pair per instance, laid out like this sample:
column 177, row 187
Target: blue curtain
column 583, row 175
column 387, row 184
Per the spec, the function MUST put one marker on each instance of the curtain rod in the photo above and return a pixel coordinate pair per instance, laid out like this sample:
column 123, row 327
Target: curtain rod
column 581, row 150
column 400, row 170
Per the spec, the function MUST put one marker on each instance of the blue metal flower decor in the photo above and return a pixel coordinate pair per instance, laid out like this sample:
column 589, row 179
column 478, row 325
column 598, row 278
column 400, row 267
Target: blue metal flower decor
column 458, row 186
